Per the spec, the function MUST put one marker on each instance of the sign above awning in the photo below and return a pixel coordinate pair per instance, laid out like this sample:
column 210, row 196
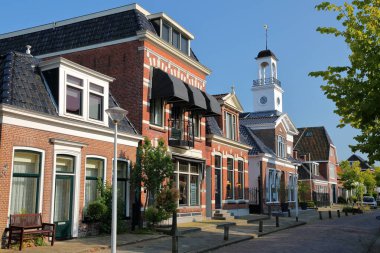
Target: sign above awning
column 174, row 90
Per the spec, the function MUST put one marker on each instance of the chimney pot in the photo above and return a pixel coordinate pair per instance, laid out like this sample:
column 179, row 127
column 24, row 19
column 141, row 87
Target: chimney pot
column 28, row 47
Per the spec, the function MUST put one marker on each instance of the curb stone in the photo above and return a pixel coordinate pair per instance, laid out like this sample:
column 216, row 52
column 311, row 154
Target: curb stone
column 246, row 238
column 300, row 223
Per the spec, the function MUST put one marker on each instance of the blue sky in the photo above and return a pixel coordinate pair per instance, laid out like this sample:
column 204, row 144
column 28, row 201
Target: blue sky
column 228, row 36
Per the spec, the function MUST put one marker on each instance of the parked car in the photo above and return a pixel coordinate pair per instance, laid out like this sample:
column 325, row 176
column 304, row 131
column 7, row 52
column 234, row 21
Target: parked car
column 369, row 201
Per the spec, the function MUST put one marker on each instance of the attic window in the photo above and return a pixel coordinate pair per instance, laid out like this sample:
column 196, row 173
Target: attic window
column 309, row 134
column 173, row 36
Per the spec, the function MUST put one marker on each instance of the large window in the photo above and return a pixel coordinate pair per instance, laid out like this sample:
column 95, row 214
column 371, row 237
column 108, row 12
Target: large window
column 187, row 182
column 123, row 185
column 218, row 161
column 230, row 125
column 74, row 95
column 332, row 170
column 25, row 182
column 174, row 37
column 94, row 171
column 156, row 112
column 281, row 152
column 96, row 102
column 240, row 182
column 230, row 178
column 292, row 187
column 273, row 185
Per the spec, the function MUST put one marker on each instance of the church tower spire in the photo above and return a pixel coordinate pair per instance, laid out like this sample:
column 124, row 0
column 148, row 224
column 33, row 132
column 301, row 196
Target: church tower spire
column 267, row 91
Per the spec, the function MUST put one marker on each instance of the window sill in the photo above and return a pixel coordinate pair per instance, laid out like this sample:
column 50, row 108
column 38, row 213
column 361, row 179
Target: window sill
column 198, row 139
column 157, row 128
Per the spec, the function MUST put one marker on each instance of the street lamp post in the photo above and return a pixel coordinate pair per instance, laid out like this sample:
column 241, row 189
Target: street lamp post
column 116, row 114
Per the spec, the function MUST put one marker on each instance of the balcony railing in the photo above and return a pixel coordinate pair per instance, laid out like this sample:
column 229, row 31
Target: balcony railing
column 181, row 133
column 266, row 81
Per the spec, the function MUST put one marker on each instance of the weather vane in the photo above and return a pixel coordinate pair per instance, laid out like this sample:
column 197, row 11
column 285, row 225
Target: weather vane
column 266, row 36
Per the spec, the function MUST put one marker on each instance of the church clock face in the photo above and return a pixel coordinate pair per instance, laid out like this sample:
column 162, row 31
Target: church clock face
column 263, row 100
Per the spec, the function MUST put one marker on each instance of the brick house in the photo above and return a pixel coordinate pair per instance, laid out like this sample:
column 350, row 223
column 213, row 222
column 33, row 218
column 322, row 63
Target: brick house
column 229, row 158
column 272, row 169
column 158, row 79
column 319, row 159
column 57, row 140
column 364, row 164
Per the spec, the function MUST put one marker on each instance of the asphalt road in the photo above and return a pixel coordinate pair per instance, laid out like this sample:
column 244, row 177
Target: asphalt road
column 355, row 234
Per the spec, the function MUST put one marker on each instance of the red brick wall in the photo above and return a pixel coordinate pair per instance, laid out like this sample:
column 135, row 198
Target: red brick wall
column 26, row 137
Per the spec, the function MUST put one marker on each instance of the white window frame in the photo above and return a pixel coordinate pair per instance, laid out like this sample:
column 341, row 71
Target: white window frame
column 41, row 181
column 104, row 173
column 233, row 176
column 281, row 145
column 332, row 168
column 273, row 178
column 128, row 185
column 154, row 116
column 189, row 174
column 230, row 125
column 243, row 173
column 292, row 186
column 104, row 115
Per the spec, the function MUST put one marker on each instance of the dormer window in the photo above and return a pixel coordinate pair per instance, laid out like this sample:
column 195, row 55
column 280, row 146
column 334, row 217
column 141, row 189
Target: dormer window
column 74, row 95
column 79, row 92
column 172, row 32
column 96, row 102
column 230, row 125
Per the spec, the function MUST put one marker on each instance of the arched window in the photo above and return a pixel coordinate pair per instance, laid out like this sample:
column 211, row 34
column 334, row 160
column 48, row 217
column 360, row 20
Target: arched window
column 264, row 70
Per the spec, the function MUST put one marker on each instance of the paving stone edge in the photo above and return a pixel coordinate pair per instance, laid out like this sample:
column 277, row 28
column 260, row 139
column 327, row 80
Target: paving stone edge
column 300, row 223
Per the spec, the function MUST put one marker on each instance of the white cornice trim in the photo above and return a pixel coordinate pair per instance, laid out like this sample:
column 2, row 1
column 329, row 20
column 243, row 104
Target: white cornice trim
column 171, row 22
column 68, row 143
column 148, row 35
column 56, row 62
column 75, row 20
column 228, row 142
column 11, row 112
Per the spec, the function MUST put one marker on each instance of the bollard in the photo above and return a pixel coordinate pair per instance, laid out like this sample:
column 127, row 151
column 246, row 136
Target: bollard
column 226, row 230
column 330, row 216
column 277, row 221
column 345, row 212
column 260, row 226
column 289, row 215
column 320, row 215
column 338, row 212
column 296, row 218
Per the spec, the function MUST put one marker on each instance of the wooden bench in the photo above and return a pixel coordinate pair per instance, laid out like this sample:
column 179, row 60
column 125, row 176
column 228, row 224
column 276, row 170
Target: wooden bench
column 23, row 226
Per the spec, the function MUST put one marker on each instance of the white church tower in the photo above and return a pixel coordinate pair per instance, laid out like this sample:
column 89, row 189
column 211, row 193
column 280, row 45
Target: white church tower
column 267, row 91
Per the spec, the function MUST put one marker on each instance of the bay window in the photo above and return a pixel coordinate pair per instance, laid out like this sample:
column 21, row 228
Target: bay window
column 94, row 171
column 230, row 178
column 25, row 182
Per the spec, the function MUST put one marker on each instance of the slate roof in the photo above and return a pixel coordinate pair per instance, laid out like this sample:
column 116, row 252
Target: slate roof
column 88, row 32
column 212, row 126
column 313, row 140
column 304, row 173
column 252, row 118
column 220, row 96
column 364, row 165
column 22, row 85
column 250, row 139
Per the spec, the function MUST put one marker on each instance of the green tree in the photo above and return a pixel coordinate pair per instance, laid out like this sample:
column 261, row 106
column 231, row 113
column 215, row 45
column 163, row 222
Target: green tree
column 369, row 181
column 350, row 175
column 355, row 88
column 377, row 176
column 153, row 166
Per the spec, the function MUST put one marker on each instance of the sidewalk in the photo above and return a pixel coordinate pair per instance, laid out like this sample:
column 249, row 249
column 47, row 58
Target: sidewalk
column 196, row 236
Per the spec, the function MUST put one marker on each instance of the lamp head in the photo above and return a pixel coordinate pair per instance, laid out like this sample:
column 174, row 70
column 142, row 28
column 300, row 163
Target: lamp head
column 116, row 114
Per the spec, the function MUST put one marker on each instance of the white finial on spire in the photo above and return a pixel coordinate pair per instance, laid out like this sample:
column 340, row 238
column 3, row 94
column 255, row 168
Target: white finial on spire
column 233, row 89
column 266, row 36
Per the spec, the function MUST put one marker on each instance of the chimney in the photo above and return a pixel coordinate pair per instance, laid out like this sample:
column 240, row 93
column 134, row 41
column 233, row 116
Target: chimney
column 295, row 153
column 28, row 47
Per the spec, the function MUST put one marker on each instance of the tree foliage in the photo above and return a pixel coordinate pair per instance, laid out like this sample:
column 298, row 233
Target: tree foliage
column 153, row 166
column 377, row 176
column 355, row 89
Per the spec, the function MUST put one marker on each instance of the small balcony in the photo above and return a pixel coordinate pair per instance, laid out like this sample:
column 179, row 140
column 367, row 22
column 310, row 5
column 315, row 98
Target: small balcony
column 181, row 133
column 266, row 81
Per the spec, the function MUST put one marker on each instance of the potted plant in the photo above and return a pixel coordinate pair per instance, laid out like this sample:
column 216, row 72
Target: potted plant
column 303, row 188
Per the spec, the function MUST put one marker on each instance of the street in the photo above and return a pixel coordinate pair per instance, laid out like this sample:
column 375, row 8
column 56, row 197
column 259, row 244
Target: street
column 348, row 234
